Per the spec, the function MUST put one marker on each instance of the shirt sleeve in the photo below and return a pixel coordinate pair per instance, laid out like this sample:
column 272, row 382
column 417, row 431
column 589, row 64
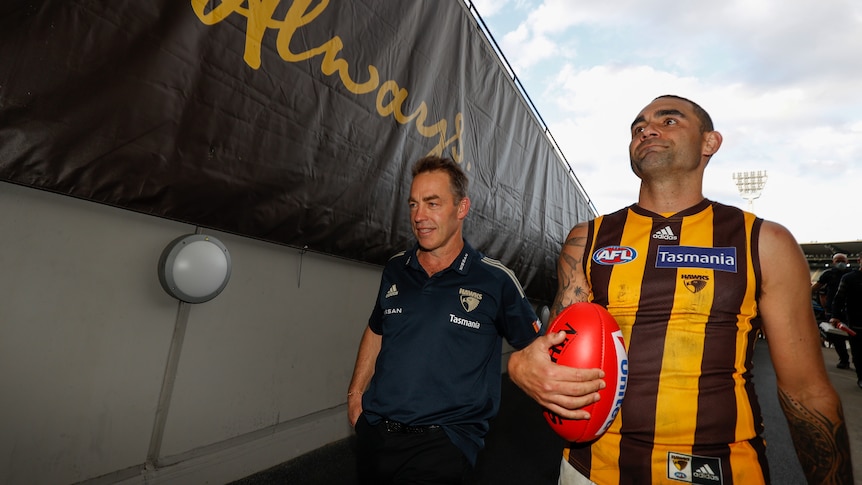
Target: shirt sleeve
column 520, row 324
column 375, row 321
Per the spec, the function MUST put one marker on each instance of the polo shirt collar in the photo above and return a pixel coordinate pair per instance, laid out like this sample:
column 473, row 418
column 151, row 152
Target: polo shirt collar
column 460, row 265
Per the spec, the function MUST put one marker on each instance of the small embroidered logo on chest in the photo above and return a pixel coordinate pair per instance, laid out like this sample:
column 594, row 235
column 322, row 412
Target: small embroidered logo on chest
column 393, row 291
column 694, row 282
column 469, row 299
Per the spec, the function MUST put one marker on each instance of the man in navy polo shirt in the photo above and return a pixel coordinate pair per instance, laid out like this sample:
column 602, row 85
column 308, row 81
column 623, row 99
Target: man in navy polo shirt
column 427, row 375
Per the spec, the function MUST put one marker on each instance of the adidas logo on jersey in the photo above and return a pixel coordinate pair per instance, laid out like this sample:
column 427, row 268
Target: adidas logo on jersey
column 694, row 469
column 666, row 234
column 706, row 472
column 393, row 291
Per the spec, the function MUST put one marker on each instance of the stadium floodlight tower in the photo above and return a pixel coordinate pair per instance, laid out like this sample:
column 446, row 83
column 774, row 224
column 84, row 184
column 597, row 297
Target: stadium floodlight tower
column 750, row 185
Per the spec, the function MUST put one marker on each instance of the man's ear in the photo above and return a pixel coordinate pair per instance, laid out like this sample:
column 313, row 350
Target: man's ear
column 711, row 143
column 463, row 207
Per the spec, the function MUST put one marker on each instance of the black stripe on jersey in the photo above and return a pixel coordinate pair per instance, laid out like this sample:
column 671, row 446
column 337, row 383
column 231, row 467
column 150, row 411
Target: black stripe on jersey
column 755, row 255
column 600, row 279
column 757, row 443
column 718, row 404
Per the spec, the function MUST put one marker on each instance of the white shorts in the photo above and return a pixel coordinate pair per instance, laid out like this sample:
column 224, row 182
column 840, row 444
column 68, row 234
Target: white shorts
column 570, row 476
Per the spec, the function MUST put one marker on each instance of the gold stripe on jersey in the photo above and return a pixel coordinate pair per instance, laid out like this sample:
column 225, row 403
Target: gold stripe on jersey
column 742, row 452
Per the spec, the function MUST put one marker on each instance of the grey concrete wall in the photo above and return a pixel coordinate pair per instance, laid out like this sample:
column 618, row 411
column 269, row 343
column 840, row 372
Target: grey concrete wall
column 85, row 332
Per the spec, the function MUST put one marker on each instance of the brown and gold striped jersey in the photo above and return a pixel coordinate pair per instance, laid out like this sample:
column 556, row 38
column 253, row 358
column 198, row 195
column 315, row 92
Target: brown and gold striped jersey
column 683, row 288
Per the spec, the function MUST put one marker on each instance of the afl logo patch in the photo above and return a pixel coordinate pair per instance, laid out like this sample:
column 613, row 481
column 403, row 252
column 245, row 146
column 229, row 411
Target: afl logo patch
column 614, row 255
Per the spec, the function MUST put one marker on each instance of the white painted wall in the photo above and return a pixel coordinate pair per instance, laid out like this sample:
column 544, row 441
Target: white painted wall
column 85, row 331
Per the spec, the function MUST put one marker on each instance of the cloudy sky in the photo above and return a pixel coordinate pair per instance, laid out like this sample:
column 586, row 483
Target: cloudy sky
column 782, row 81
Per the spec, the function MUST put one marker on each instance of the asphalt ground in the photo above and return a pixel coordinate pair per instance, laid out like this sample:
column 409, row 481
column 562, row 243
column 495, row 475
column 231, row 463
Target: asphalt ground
column 521, row 449
column 844, row 381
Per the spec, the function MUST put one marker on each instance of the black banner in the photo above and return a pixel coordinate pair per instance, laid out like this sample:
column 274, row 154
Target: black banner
column 294, row 122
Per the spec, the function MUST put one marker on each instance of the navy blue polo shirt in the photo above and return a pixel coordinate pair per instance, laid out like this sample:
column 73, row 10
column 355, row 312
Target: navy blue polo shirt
column 439, row 363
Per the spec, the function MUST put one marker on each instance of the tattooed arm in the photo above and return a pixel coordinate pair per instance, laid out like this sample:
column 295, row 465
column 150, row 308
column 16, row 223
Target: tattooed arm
column 816, row 436
column 572, row 286
column 563, row 390
column 810, row 403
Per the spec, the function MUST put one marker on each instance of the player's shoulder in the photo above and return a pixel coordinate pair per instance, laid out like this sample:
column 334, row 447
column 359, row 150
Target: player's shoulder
column 493, row 265
column 776, row 237
column 583, row 227
column 399, row 259
column 499, row 271
column 576, row 240
column 398, row 255
column 781, row 257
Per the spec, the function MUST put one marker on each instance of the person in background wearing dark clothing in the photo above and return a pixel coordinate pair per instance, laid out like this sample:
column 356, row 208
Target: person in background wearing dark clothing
column 427, row 376
column 828, row 281
column 847, row 309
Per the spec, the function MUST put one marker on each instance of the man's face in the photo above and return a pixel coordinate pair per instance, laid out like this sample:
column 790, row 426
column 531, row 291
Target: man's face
column 666, row 138
column 435, row 216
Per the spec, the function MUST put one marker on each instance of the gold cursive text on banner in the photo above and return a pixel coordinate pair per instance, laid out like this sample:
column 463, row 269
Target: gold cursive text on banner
column 390, row 97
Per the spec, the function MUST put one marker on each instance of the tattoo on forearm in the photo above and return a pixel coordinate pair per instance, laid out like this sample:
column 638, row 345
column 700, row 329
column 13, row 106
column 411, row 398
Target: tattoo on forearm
column 566, row 274
column 823, row 446
column 569, row 291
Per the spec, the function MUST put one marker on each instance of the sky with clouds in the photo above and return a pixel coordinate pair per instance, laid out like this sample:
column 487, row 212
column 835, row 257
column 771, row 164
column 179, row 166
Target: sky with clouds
column 782, row 81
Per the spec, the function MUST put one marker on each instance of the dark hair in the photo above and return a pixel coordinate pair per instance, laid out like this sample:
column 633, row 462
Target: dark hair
column 702, row 115
column 457, row 178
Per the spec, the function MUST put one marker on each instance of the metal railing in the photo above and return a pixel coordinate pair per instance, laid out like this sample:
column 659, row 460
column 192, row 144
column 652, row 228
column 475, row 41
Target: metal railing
column 483, row 28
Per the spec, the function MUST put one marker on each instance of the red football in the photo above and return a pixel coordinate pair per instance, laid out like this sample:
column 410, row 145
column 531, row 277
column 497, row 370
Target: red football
column 593, row 341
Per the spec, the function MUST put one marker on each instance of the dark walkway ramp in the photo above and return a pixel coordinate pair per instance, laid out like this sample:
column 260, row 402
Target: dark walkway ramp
column 522, row 450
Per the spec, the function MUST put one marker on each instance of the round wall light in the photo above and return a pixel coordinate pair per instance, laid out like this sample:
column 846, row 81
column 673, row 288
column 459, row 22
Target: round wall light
column 194, row 268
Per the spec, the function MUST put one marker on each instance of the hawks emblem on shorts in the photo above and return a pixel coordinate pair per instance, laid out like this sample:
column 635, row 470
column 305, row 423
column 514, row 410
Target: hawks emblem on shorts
column 680, row 462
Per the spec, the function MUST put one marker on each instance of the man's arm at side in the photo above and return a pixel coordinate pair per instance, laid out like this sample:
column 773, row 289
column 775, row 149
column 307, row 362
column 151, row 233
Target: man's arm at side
column 563, row 390
column 366, row 358
column 810, row 403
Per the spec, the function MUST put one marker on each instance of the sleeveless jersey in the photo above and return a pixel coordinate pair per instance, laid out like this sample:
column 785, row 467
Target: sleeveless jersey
column 684, row 291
